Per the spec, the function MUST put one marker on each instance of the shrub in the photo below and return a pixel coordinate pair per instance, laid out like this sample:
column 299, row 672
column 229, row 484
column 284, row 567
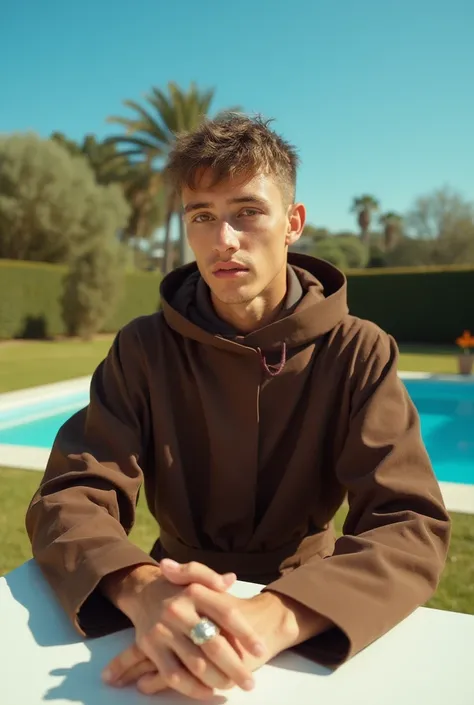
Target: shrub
column 90, row 290
column 329, row 250
column 50, row 203
column 356, row 253
column 31, row 299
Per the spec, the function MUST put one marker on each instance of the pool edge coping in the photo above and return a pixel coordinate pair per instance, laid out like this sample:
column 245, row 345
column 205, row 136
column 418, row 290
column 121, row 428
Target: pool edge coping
column 55, row 390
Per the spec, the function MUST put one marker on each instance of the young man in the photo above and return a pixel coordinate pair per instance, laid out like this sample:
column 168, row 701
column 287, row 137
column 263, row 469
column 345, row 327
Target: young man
column 249, row 408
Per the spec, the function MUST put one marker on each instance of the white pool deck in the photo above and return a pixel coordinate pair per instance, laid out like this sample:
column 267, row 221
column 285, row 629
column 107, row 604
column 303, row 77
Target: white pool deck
column 457, row 497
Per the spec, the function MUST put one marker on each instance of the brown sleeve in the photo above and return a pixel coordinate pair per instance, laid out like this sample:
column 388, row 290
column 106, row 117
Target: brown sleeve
column 79, row 519
column 396, row 535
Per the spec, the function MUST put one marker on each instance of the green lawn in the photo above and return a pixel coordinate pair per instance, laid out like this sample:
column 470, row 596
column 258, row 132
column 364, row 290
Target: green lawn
column 423, row 358
column 455, row 592
column 30, row 363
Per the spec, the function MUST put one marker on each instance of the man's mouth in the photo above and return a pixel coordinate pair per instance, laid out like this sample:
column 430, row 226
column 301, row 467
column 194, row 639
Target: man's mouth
column 229, row 269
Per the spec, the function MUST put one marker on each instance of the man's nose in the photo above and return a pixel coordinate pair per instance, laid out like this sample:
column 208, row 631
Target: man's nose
column 227, row 238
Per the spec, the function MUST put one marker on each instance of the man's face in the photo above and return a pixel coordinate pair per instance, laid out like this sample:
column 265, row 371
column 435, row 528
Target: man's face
column 239, row 232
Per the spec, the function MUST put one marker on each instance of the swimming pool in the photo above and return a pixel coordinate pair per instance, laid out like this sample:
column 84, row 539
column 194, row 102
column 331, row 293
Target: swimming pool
column 446, row 409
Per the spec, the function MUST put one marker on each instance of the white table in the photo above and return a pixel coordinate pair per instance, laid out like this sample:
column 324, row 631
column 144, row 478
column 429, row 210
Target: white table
column 426, row 660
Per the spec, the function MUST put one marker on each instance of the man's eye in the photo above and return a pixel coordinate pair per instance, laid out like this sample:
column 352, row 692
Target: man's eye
column 202, row 218
column 249, row 212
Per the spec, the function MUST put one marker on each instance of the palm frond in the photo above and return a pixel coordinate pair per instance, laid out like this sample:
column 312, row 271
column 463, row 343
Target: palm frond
column 129, row 124
column 205, row 100
column 148, row 124
column 142, row 144
column 165, row 108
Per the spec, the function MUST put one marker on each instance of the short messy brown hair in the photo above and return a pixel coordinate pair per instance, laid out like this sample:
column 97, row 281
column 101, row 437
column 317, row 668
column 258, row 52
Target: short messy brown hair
column 232, row 145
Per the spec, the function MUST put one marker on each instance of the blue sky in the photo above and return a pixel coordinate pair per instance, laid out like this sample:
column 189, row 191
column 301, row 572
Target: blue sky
column 378, row 96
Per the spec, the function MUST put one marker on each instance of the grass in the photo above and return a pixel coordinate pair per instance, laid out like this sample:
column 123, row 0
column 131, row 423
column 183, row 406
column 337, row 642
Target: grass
column 424, row 358
column 455, row 592
column 30, row 363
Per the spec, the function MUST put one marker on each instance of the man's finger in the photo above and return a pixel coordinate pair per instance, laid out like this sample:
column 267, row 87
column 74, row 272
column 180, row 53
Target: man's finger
column 199, row 665
column 179, row 618
column 127, row 659
column 224, row 613
column 133, row 674
column 186, row 573
column 172, row 672
column 221, row 652
column 236, row 645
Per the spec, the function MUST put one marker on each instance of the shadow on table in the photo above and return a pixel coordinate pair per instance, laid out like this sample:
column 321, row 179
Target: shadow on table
column 82, row 684
column 290, row 661
column 48, row 624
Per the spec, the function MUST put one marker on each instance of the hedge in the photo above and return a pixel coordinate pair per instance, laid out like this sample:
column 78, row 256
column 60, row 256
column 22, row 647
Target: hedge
column 30, row 294
column 417, row 305
column 140, row 296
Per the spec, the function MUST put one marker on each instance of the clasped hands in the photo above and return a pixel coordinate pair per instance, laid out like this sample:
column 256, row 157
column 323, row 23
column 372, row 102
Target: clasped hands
column 252, row 631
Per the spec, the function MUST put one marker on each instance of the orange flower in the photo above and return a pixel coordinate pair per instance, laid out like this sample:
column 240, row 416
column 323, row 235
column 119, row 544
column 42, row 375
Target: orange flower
column 466, row 340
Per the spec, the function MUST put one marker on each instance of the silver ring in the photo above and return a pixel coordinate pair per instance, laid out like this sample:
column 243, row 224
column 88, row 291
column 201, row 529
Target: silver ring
column 204, row 631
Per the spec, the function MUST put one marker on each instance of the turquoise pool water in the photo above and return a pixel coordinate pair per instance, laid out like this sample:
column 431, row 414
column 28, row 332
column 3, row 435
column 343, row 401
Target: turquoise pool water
column 446, row 411
column 37, row 424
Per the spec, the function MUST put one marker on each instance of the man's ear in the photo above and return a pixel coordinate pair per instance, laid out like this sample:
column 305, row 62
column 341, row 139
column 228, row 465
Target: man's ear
column 296, row 223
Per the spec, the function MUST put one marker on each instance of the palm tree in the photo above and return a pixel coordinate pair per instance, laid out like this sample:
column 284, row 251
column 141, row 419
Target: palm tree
column 364, row 206
column 142, row 187
column 144, row 191
column 151, row 134
column 392, row 225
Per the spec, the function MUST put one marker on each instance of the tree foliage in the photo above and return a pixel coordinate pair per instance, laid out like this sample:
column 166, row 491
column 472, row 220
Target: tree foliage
column 345, row 252
column 410, row 252
column 392, row 227
column 444, row 220
column 315, row 233
column 328, row 250
column 364, row 206
column 439, row 214
column 142, row 187
column 50, row 203
column 53, row 210
column 356, row 253
column 91, row 289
